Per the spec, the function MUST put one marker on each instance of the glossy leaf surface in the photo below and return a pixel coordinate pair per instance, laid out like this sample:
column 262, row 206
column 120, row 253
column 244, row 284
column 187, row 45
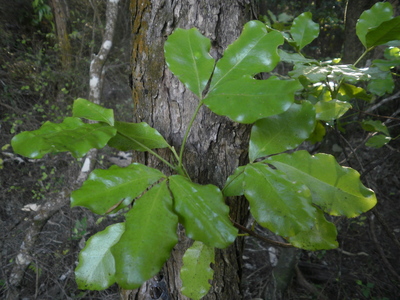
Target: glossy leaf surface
column 331, row 110
column 196, row 272
column 150, row 234
column 378, row 141
column 304, row 30
column 253, row 52
column 322, row 235
column 186, row 55
column 136, row 136
column 336, row 190
column 202, row 211
column 106, row 188
column 369, row 19
column 277, row 203
column 282, row 132
column 96, row 267
column 234, row 185
column 246, row 100
column 71, row 135
column 83, row 108
column 387, row 31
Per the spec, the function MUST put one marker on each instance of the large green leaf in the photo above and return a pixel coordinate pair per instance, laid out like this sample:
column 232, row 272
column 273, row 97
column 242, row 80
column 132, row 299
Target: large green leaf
column 322, row 235
column 331, row 110
column 196, row 272
column 253, row 52
column 71, row 135
column 282, row 132
column 104, row 189
column 202, row 211
column 295, row 58
column 277, row 203
column 136, row 136
column 372, row 18
column 96, row 267
column 348, row 92
column 246, row 100
column 150, row 234
column 381, row 82
column 387, row 31
column 304, row 30
column 86, row 109
column 186, row 54
column 335, row 189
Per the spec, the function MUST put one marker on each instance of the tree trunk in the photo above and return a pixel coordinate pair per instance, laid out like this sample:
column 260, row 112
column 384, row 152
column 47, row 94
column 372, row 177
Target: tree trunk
column 216, row 145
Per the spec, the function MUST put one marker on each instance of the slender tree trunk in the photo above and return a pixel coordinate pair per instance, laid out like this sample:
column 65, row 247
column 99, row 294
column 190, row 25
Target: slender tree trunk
column 61, row 20
column 216, row 145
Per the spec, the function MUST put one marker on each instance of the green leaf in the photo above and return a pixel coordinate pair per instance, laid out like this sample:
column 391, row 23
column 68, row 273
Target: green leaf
column 336, row 190
column 246, row 100
column 313, row 73
column 136, row 136
column 253, row 52
column 234, row 185
column 104, row 189
column 387, row 31
column 150, row 234
column 201, row 209
column 381, row 82
column 349, row 92
column 374, row 126
column 322, row 235
column 304, row 30
column 282, row 132
column 186, row 54
column 372, row 18
column 196, row 271
column 279, row 204
column 349, row 73
column 83, row 108
column 295, row 58
column 378, row 141
column 71, row 135
column 318, row 134
column 96, row 267
column 331, row 110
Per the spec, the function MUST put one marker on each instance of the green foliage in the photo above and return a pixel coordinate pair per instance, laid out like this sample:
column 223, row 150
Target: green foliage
column 289, row 193
column 196, row 272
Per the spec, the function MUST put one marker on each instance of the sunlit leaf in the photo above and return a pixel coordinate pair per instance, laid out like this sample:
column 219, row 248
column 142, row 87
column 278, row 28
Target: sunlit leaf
column 318, row 134
column 186, row 55
column 246, row 100
column 96, row 267
column 253, row 52
column 196, row 272
column 282, row 132
column 150, row 234
column 322, row 235
column 331, row 110
column 348, row 92
column 136, row 136
column 71, row 135
column 83, row 108
column 277, row 203
column 304, row 30
column 202, row 211
column 106, row 188
column 372, row 18
column 335, row 189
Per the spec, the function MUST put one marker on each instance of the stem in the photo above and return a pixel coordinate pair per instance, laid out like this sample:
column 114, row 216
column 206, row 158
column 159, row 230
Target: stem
column 363, row 55
column 187, row 133
column 149, row 150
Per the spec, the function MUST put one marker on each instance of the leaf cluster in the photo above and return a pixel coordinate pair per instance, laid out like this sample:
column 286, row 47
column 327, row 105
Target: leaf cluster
column 290, row 192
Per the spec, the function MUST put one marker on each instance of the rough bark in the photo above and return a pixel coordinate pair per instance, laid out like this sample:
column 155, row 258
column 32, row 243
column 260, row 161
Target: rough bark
column 216, row 145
